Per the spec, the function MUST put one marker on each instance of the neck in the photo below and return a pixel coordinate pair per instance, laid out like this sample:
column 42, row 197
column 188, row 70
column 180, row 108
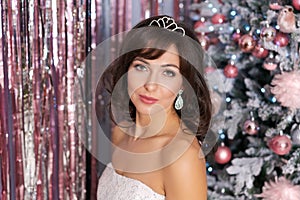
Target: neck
column 154, row 124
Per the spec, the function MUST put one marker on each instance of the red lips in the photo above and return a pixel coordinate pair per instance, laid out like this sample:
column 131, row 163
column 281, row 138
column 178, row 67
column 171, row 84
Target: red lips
column 147, row 100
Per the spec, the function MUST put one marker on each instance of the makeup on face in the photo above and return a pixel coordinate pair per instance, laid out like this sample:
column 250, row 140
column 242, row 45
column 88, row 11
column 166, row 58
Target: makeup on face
column 154, row 81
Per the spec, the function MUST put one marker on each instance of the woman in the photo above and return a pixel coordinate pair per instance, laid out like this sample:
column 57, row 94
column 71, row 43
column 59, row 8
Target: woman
column 161, row 109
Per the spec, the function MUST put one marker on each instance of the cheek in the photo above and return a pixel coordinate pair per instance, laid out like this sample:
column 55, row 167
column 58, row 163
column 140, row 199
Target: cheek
column 172, row 85
column 169, row 95
column 167, row 98
column 135, row 81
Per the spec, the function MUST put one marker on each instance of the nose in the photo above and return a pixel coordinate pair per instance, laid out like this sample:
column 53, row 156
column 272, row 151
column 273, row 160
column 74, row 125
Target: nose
column 151, row 82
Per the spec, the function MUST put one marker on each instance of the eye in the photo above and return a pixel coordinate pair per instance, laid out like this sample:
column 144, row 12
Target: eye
column 140, row 67
column 169, row 73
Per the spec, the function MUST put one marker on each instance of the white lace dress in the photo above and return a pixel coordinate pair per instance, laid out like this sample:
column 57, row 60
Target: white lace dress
column 113, row 186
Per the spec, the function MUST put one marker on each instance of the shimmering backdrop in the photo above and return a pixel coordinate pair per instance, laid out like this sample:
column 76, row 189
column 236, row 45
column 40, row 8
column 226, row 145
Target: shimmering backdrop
column 42, row 106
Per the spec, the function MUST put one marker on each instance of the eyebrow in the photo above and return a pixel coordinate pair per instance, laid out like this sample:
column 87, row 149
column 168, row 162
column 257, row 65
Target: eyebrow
column 166, row 65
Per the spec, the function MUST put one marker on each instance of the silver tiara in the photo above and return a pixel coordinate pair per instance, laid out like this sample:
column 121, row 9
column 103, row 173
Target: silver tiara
column 168, row 23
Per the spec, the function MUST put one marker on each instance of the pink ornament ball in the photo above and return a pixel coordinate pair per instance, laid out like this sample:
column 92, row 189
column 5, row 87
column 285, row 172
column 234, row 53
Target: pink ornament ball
column 199, row 24
column 223, row 155
column 209, row 69
column 280, row 144
column 274, row 5
column 236, row 36
column 218, row 18
column 268, row 33
column 231, row 71
column 296, row 4
column 260, row 52
column 247, row 43
column 251, row 127
column 281, row 39
column 214, row 40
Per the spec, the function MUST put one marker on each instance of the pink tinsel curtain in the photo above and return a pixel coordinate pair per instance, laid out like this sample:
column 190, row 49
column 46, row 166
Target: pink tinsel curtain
column 43, row 110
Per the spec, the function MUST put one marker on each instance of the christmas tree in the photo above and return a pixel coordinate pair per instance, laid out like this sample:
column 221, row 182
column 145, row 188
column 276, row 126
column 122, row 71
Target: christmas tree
column 255, row 45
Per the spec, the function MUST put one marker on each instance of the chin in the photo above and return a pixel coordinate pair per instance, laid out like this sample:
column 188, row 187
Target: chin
column 146, row 110
column 153, row 109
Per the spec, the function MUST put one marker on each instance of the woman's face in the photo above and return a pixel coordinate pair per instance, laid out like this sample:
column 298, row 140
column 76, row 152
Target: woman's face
column 155, row 82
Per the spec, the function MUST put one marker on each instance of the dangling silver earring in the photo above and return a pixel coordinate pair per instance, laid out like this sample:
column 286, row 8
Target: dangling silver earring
column 179, row 101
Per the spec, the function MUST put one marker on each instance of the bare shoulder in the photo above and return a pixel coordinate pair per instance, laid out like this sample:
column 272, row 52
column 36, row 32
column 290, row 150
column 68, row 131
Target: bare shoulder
column 186, row 177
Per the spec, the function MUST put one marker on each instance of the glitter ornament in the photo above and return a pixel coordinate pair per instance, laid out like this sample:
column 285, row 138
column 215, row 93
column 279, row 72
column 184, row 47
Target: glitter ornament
column 247, row 43
column 270, row 62
column 268, row 33
column 296, row 136
column 231, row 71
column 280, row 144
column 251, row 126
column 286, row 20
column 218, row 18
column 223, row 154
column 281, row 39
column 296, row 4
column 259, row 51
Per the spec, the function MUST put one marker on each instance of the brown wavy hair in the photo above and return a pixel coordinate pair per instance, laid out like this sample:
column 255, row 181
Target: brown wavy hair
column 150, row 42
